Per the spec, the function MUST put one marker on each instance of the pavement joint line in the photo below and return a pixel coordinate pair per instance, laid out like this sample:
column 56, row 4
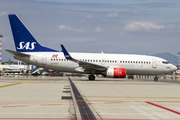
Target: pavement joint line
column 126, row 101
column 17, row 83
column 65, row 119
column 130, row 97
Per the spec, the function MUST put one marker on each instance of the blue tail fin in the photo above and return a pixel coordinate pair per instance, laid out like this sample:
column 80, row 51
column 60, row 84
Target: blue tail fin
column 24, row 41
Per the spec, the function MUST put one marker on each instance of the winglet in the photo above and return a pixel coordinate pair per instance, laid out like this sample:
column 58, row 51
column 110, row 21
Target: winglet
column 66, row 54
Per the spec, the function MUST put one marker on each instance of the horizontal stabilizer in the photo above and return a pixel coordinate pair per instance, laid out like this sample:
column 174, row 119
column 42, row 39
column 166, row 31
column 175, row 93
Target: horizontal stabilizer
column 17, row 53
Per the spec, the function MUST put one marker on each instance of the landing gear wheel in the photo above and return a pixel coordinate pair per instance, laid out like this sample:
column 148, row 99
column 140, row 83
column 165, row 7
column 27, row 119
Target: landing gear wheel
column 91, row 77
column 156, row 79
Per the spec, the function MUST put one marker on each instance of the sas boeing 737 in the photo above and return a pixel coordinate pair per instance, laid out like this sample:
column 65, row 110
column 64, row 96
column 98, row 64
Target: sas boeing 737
column 108, row 65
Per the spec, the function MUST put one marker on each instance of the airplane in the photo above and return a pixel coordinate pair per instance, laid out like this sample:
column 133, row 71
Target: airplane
column 109, row 65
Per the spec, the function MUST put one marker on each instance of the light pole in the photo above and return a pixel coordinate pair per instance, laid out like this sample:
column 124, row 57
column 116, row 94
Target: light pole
column 1, row 36
column 178, row 60
column 1, row 49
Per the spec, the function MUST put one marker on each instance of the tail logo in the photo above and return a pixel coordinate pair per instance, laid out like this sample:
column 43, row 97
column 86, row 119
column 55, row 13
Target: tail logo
column 27, row 46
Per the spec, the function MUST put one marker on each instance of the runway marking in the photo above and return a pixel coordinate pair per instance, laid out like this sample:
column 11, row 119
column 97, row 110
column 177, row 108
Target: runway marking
column 130, row 97
column 163, row 108
column 42, row 105
column 15, row 106
column 16, row 83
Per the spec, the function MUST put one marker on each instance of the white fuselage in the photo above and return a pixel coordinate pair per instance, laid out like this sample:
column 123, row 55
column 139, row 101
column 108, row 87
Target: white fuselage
column 134, row 64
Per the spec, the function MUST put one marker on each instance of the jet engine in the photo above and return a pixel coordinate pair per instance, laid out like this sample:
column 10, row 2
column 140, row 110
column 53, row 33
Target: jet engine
column 116, row 72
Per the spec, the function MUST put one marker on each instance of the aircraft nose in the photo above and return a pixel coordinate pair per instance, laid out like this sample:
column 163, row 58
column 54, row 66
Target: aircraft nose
column 174, row 67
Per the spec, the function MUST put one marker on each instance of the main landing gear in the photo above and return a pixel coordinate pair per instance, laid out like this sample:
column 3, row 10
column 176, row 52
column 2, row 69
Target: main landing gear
column 91, row 77
column 155, row 78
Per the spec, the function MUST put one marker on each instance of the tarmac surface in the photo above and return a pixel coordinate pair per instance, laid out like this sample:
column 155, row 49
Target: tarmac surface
column 53, row 98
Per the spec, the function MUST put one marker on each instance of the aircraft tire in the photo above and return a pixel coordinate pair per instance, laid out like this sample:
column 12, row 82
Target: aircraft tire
column 91, row 77
column 155, row 79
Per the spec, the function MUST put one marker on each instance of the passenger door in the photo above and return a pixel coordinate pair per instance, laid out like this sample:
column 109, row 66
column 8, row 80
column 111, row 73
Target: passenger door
column 44, row 59
column 154, row 63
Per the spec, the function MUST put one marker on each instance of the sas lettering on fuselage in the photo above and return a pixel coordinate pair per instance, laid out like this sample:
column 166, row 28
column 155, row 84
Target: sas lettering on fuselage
column 26, row 46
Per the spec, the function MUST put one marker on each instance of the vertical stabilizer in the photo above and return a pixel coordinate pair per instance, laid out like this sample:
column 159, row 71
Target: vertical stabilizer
column 24, row 41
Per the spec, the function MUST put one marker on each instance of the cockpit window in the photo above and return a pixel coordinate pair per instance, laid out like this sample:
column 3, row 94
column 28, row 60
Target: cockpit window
column 165, row 62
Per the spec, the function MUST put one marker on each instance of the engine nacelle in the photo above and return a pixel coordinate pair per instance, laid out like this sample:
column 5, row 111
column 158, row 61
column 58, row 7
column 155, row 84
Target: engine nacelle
column 116, row 72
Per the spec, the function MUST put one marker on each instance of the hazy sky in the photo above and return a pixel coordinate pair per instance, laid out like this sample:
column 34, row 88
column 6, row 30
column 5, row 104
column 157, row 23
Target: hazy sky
column 113, row 26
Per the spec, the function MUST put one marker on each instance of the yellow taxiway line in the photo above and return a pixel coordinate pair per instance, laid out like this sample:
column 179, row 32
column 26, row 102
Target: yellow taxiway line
column 17, row 83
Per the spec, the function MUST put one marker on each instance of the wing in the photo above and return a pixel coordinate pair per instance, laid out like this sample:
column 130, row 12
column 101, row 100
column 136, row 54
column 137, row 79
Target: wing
column 17, row 53
column 86, row 65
